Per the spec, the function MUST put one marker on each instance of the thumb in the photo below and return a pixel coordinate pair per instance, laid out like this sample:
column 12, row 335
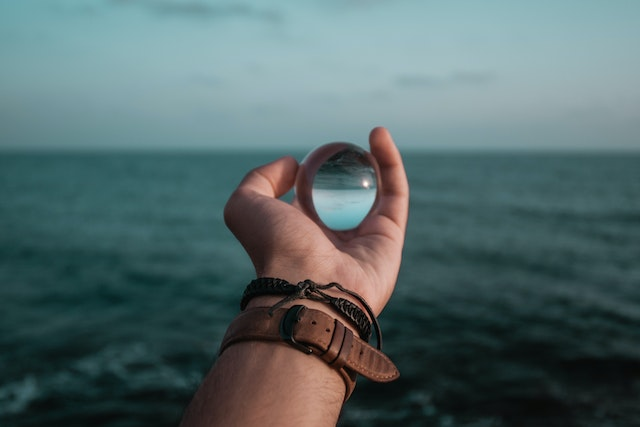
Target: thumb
column 271, row 181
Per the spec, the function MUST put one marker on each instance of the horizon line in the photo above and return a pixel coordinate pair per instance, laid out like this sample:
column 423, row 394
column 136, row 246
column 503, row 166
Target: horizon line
column 298, row 150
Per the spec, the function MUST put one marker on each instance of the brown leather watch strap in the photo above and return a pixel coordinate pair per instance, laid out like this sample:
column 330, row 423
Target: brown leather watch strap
column 313, row 332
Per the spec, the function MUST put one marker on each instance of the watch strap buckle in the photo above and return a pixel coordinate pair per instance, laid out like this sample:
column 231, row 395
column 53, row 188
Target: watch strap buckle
column 287, row 324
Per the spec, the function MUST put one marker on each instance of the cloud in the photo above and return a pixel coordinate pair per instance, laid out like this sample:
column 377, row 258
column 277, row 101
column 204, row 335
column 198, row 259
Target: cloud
column 205, row 10
column 418, row 80
column 472, row 77
column 455, row 79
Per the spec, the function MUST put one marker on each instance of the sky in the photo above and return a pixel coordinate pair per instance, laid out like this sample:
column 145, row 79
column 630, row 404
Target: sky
column 200, row 74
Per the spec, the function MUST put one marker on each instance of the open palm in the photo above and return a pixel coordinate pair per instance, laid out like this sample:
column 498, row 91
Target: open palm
column 283, row 242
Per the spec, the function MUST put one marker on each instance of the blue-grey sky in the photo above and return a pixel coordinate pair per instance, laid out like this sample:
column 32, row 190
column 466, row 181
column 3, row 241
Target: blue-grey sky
column 208, row 74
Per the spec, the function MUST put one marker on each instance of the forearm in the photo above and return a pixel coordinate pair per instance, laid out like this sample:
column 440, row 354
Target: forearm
column 268, row 383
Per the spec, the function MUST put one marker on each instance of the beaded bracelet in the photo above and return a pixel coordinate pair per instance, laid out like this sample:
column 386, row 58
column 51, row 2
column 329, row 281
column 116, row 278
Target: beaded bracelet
column 310, row 290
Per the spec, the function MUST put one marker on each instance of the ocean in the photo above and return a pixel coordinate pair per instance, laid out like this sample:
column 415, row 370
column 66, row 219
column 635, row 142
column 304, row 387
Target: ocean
column 518, row 301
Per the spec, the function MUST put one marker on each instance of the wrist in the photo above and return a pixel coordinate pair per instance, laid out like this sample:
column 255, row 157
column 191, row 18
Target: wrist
column 309, row 318
column 312, row 333
column 268, row 301
column 347, row 304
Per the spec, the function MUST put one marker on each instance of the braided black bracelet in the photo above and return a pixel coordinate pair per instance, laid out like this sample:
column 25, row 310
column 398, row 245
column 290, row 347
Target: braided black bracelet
column 311, row 290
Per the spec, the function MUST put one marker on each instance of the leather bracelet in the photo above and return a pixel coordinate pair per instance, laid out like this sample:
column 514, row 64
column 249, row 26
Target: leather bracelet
column 315, row 333
column 311, row 290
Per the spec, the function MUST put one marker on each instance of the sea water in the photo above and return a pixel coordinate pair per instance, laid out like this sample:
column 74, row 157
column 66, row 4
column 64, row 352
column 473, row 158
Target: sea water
column 343, row 209
column 518, row 301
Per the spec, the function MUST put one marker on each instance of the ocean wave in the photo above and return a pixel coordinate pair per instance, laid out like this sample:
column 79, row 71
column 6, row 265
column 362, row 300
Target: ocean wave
column 16, row 396
column 571, row 213
column 115, row 370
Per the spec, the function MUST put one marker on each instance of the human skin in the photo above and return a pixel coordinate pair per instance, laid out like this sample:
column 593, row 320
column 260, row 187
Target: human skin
column 270, row 384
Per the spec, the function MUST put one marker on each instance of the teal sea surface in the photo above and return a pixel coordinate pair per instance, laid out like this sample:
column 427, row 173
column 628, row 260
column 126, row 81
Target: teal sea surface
column 518, row 302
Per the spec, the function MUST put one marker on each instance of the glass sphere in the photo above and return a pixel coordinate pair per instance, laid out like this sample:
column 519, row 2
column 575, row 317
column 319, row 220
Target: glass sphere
column 337, row 183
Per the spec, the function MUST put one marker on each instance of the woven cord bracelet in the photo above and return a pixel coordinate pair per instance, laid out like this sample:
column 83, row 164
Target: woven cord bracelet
column 310, row 290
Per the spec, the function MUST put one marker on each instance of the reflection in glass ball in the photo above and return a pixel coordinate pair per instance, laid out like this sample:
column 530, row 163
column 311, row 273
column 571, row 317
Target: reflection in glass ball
column 337, row 184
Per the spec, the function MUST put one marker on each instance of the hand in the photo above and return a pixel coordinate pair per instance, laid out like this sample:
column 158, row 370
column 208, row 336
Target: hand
column 283, row 242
